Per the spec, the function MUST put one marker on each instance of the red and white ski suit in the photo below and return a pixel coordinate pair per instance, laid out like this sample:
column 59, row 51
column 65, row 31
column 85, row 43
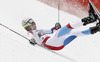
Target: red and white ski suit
column 60, row 38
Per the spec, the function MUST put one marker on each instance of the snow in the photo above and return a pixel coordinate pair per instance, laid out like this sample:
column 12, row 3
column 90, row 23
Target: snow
column 14, row 48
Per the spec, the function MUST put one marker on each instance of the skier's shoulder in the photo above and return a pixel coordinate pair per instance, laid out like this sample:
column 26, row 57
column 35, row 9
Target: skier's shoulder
column 33, row 31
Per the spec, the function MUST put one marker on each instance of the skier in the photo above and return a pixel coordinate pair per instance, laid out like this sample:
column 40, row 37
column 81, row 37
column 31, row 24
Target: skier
column 61, row 36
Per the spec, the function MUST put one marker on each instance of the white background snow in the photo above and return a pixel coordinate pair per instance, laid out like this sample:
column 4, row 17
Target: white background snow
column 14, row 48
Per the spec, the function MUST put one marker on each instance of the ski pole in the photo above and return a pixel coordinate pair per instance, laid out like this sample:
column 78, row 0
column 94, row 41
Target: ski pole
column 58, row 11
column 14, row 31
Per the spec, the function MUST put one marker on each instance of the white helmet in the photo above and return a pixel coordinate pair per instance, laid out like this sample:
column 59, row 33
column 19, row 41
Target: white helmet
column 26, row 23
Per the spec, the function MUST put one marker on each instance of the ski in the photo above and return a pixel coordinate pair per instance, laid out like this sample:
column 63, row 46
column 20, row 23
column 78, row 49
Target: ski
column 95, row 10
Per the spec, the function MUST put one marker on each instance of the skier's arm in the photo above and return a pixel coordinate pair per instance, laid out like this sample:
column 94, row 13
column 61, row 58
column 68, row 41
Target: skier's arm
column 52, row 30
column 49, row 31
column 31, row 39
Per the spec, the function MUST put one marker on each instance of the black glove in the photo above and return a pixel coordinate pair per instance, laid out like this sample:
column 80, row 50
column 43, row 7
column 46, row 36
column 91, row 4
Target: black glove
column 32, row 41
column 57, row 25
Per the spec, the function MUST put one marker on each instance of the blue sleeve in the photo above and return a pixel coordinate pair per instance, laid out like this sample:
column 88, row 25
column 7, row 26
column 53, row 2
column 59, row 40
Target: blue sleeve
column 52, row 29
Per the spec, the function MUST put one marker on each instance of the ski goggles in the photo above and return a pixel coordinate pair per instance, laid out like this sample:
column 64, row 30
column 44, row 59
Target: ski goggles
column 29, row 23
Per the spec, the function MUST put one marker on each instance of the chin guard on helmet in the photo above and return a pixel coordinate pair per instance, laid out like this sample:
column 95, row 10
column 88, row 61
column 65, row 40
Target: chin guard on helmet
column 28, row 28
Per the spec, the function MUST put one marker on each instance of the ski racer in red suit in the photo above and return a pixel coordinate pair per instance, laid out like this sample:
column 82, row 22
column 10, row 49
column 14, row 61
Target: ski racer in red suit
column 61, row 35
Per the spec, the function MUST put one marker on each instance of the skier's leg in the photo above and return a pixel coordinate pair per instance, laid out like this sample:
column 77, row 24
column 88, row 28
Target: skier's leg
column 67, row 29
column 75, row 34
column 90, row 19
column 83, row 22
column 89, row 31
column 57, row 43
column 75, row 25
column 81, row 33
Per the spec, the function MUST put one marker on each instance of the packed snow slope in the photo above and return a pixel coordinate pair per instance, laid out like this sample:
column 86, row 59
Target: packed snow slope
column 14, row 48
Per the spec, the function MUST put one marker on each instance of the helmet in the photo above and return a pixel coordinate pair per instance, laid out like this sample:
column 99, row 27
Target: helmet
column 26, row 23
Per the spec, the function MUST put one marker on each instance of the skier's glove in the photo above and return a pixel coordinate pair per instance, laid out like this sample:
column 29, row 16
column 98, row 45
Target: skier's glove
column 32, row 41
column 57, row 25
